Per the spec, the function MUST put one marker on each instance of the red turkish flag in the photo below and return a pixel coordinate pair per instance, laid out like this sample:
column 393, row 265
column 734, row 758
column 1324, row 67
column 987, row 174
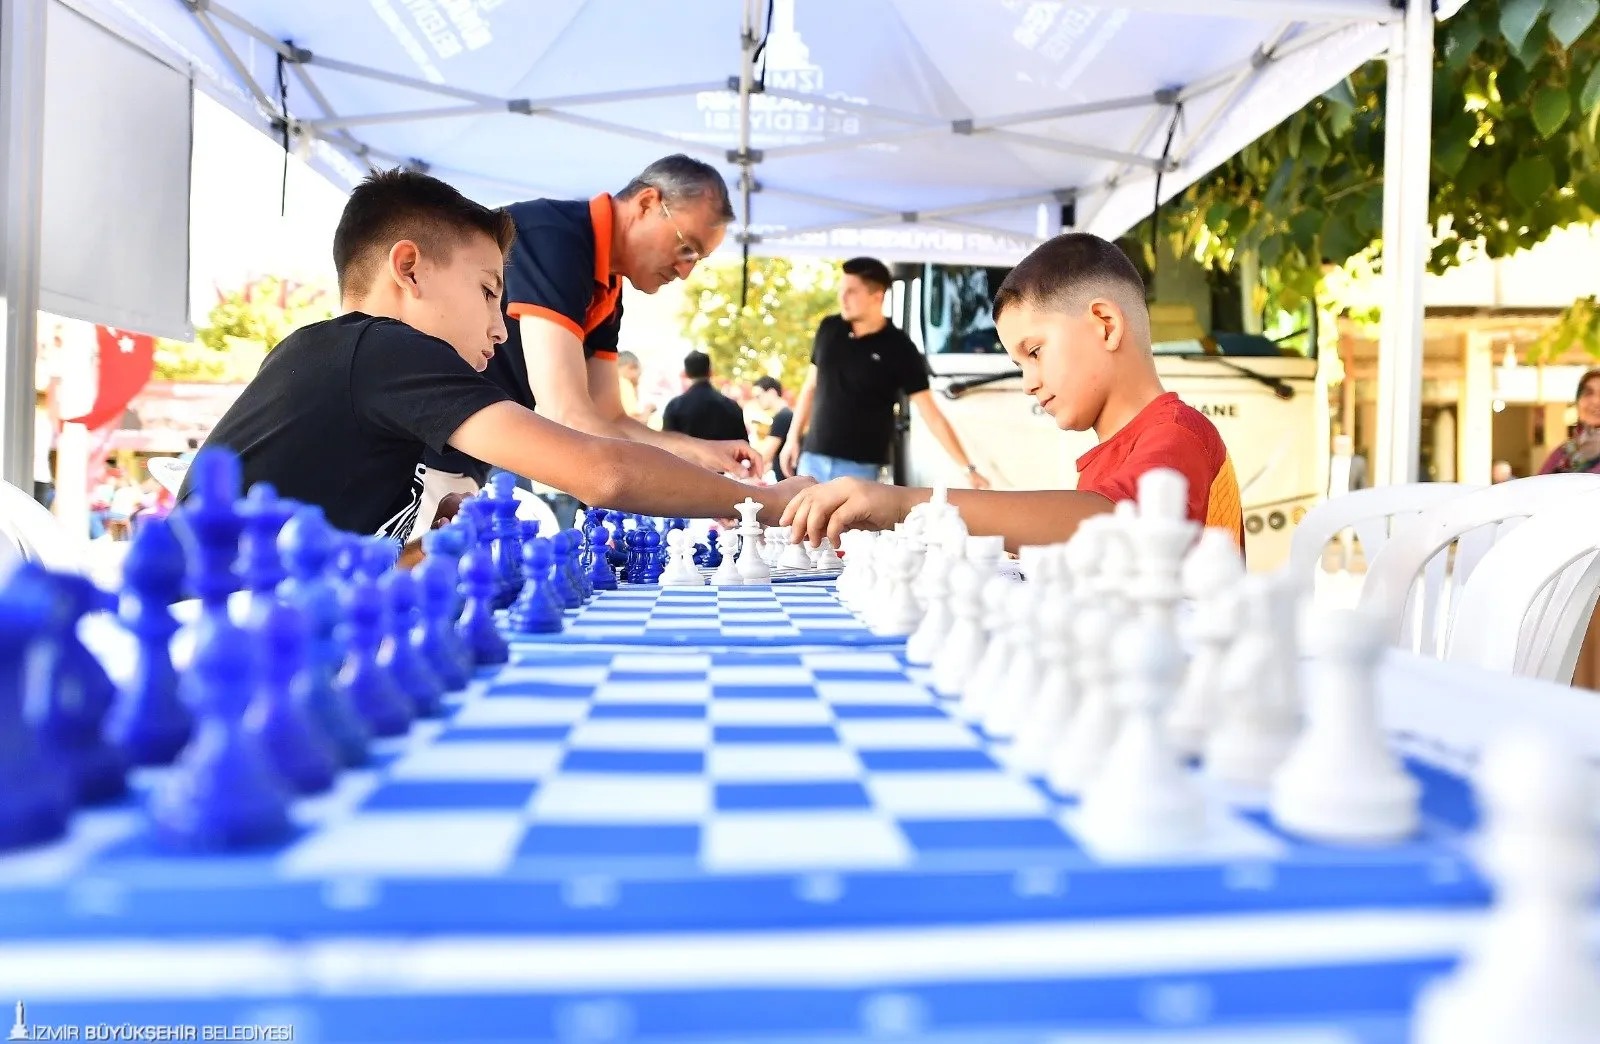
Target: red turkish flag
column 125, row 360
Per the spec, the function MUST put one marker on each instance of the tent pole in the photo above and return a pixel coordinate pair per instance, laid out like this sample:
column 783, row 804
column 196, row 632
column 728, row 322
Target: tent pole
column 22, row 39
column 1407, row 151
column 747, row 63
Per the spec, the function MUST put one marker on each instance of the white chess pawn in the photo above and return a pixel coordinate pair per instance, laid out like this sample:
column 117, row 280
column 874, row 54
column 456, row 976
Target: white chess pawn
column 938, row 617
column 1342, row 782
column 825, row 559
column 794, row 555
column 1048, row 715
column 964, row 643
column 1258, row 714
column 1018, row 678
column 727, row 572
column 1210, row 575
column 772, row 544
column 885, row 577
column 1093, row 727
column 858, row 579
column 680, row 570
column 899, row 614
column 986, row 673
column 985, row 552
column 1531, row 975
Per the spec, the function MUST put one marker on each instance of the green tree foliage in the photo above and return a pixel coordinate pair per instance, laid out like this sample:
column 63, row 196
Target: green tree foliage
column 1516, row 103
column 243, row 326
column 771, row 334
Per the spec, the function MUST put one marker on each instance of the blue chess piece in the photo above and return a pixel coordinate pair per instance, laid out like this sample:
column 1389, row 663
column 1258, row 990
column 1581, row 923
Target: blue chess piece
column 306, row 545
column 507, row 543
column 530, row 529
column 34, row 797
column 434, row 634
column 632, row 541
column 477, row 627
column 223, row 791
column 410, row 670
column 713, row 551
column 602, row 576
column 278, row 716
column 377, row 556
column 650, row 556
column 560, row 575
column 260, row 564
column 569, row 566
column 148, row 722
column 535, row 612
column 72, row 728
column 364, row 677
column 479, row 511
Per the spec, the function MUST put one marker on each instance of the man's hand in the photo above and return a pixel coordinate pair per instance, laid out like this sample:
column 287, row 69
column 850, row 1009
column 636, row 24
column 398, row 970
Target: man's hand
column 790, row 456
column 775, row 498
column 977, row 480
column 732, row 457
column 848, row 503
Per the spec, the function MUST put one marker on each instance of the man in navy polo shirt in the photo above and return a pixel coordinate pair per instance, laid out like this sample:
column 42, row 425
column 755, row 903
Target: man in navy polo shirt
column 563, row 308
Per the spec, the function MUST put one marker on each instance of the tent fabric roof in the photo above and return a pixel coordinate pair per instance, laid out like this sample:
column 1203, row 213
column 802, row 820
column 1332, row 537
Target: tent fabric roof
column 913, row 129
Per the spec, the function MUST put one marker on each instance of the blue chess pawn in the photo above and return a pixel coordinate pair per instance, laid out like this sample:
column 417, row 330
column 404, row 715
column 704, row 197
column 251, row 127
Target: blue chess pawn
column 478, row 626
column 575, row 568
column 434, row 633
column 651, row 564
column 34, row 797
column 451, row 543
column 713, row 551
column 148, row 722
column 507, row 543
column 279, row 718
column 410, row 670
column 535, row 612
column 364, row 677
column 307, row 544
column 561, row 573
column 72, row 728
column 377, row 556
column 530, row 529
column 602, row 575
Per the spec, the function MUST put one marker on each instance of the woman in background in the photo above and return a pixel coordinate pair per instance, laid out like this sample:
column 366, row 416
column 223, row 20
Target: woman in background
column 1581, row 453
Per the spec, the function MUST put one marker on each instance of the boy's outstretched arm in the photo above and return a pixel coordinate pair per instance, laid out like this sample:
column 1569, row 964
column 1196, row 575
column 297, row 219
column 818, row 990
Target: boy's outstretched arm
column 1042, row 516
column 614, row 473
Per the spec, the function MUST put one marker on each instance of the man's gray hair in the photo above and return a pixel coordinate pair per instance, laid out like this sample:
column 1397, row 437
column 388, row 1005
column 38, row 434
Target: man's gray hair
column 627, row 359
column 681, row 178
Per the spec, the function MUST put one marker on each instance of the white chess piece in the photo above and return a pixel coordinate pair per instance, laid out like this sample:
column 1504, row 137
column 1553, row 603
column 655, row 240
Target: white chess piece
column 1093, row 727
column 727, row 572
column 680, row 570
column 795, row 555
column 985, row 552
column 825, row 559
column 964, row 643
column 1210, row 575
column 1341, row 782
column 899, row 614
column 1259, row 711
column 885, row 577
column 1159, row 539
column 1143, row 801
column 752, row 570
column 1050, row 712
column 987, row 672
column 858, row 579
column 1531, row 975
column 1018, row 678
column 938, row 617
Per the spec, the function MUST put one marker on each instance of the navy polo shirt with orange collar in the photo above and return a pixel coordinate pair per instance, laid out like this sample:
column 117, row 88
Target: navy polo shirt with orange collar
column 559, row 269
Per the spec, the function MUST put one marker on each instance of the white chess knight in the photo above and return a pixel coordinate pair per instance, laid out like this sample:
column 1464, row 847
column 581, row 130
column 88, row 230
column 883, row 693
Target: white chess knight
column 1531, row 976
column 1341, row 781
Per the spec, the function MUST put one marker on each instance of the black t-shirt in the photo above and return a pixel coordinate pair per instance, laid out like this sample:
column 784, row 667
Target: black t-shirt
column 705, row 413
column 559, row 269
column 859, row 380
column 340, row 413
column 780, row 431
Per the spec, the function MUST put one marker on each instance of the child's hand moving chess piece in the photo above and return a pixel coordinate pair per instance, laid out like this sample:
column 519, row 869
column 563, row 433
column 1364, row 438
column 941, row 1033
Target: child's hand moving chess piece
column 1072, row 315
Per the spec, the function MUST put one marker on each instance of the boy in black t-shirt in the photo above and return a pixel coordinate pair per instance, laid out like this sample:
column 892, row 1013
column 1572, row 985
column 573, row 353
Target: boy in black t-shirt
column 341, row 411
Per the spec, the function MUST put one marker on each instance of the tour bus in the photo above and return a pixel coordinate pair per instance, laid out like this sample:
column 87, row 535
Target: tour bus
column 1263, row 395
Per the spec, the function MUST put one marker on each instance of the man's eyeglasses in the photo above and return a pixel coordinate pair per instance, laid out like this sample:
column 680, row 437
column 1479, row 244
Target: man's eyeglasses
column 687, row 255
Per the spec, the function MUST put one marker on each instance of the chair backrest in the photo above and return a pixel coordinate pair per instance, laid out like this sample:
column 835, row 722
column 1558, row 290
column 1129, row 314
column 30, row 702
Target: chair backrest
column 1373, row 514
column 1526, row 607
column 1406, row 584
column 37, row 534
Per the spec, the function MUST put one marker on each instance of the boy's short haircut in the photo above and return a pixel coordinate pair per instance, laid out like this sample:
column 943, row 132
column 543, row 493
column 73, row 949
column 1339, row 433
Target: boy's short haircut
column 627, row 359
column 391, row 205
column 771, row 384
column 870, row 271
column 697, row 366
column 1065, row 273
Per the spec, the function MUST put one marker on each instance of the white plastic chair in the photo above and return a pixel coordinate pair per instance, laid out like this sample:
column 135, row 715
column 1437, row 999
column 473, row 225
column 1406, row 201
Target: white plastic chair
column 37, row 534
column 1412, row 583
column 1526, row 607
column 1373, row 514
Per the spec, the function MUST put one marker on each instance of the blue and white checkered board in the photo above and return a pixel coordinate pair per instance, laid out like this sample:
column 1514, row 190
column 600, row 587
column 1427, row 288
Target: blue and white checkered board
column 637, row 790
column 780, row 575
column 797, row 613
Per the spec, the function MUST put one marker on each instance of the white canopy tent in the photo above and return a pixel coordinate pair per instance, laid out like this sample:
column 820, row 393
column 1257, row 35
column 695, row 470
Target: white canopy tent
column 959, row 130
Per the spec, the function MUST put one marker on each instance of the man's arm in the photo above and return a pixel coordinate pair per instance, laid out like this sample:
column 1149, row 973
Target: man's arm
column 1044, row 516
column 799, row 422
column 614, row 473
column 930, row 414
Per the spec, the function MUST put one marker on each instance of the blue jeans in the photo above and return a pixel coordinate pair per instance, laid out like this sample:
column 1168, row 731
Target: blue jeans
column 824, row 469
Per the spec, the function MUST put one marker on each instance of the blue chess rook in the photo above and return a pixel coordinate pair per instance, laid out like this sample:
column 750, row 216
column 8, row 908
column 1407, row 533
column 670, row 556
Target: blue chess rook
column 148, row 722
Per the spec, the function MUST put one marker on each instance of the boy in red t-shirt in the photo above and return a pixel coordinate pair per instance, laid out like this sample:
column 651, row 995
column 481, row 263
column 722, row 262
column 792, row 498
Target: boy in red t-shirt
column 1072, row 315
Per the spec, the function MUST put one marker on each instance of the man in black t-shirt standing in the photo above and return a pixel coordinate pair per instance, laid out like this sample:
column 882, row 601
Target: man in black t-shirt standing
column 769, row 396
column 861, row 364
column 702, row 411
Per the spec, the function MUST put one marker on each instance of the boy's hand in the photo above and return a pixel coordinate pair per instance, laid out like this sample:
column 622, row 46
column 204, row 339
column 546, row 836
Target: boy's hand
column 848, row 503
column 731, row 457
column 775, row 498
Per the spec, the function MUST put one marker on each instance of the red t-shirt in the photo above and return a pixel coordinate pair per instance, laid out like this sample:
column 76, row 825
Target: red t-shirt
column 1168, row 434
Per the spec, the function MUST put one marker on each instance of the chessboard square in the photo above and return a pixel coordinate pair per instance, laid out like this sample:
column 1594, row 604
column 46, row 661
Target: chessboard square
column 758, row 711
column 740, row 615
column 755, row 658
column 649, row 664
column 593, row 798
column 825, row 623
column 682, row 689
column 398, row 795
column 403, row 844
column 640, row 735
column 479, row 761
column 784, row 734
column 636, row 762
column 934, row 835
column 955, row 795
column 648, row 711
column 906, row 735
column 696, row 628
column 971, row 760
column 902, row 711
column 554, row 840
column 789, row 676
column 504, row 688
column 758, row 691
column 520, row 710
column 734, row 630
column 870, row 693
column 666, row 610
column 554, row 673
column 613, row 617
column 750, row 797
column 803, row 840
column 505, row 734
column 772, row 764
column 863, row 662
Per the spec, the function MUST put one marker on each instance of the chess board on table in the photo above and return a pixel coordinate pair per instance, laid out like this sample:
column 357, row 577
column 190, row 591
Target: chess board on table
column 780, row 575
